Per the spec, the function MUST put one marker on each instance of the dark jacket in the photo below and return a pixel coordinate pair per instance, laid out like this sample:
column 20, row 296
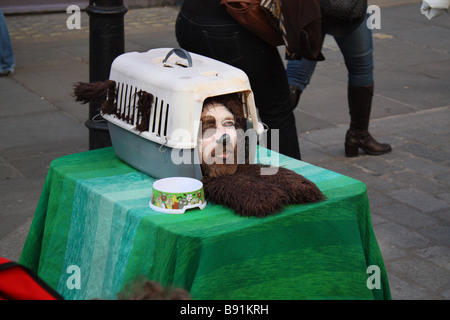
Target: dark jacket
column 302, row 24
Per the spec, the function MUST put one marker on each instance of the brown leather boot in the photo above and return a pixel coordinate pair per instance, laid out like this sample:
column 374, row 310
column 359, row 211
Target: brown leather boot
column 295, row 95
column 358, row 136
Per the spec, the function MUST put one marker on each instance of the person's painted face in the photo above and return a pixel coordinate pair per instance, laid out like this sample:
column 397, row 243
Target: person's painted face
column 219, row 140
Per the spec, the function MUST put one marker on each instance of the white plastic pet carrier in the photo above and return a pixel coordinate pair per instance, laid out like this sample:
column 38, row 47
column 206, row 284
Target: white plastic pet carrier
column 179, row 82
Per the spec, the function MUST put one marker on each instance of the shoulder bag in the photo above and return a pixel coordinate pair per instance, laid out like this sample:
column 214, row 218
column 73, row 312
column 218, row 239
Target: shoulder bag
column 255, row 18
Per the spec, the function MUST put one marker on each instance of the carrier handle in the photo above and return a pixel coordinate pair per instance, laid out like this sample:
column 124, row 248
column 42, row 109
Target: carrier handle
column 181, row 53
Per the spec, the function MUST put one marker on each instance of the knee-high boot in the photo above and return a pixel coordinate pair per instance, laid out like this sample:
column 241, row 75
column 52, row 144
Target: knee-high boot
column 358, row 136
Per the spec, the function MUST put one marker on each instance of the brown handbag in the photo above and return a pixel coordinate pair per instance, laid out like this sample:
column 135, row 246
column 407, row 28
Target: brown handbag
column 255, row 18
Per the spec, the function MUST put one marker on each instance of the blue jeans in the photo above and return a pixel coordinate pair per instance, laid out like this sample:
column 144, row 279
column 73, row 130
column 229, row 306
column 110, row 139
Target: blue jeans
column 227, row 41
column 357, row 49
column 6, row 51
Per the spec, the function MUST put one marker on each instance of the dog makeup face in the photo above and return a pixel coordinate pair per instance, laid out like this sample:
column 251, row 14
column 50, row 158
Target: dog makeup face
column 218, row 141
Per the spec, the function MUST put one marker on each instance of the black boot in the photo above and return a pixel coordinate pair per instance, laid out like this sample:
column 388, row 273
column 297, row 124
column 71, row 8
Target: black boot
column 295, row 95
column 358, row 136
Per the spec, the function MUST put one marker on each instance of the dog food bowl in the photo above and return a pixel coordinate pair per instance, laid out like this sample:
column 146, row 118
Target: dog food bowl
column 177, row 194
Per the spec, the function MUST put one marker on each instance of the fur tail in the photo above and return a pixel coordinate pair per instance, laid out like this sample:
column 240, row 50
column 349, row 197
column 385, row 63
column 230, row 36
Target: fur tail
column 95, row 92
column 103, row 93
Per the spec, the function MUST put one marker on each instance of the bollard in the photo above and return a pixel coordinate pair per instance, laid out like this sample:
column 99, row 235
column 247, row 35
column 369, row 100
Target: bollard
column 106, row 42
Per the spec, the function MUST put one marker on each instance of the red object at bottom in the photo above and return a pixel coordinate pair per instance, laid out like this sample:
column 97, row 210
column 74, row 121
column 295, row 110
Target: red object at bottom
column 20, row 283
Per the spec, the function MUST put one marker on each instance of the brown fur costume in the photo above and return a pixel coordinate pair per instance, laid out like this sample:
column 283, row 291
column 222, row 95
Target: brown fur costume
column 245, row 189
column 241, row 187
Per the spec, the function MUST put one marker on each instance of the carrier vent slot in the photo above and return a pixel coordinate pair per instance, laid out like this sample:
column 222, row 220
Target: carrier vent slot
column 119, row 99
column 127, row 100
column 166, row 120
column 132, row 107
column 153, row 117
column 159, row 117
column 126, row 104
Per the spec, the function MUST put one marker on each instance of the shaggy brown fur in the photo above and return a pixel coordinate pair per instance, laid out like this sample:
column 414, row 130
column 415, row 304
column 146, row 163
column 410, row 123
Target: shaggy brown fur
column 245, row 189
column 249, row 193
column 233, row 103
column 103, row 93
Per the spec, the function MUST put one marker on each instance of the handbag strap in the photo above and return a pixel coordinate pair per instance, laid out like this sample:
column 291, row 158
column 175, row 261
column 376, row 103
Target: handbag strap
column 247, row 5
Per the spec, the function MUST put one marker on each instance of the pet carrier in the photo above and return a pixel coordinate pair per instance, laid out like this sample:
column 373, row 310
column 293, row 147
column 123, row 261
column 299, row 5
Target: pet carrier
column 161, row 140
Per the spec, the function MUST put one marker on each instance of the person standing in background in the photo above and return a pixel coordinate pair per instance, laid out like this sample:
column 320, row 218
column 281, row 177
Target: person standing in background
column 355, row 42
column 204, row 27
column 6, row 51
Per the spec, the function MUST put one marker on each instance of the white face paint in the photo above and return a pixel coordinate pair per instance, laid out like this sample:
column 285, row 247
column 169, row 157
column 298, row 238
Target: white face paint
column 219, row 137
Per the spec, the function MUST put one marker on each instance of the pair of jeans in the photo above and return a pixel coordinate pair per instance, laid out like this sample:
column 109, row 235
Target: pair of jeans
column 227, row 41
column 357, row 49
column 6, row 51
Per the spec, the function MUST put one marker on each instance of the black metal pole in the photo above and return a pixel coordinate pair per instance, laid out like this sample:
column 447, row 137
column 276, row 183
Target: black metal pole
column 106, row 42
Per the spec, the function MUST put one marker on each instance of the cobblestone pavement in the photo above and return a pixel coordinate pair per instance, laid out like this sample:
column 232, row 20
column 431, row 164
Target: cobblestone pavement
column 409, row 189
column 53, row 26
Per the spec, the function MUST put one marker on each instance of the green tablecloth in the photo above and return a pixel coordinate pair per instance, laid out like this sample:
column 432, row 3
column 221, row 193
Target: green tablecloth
column 94, row 214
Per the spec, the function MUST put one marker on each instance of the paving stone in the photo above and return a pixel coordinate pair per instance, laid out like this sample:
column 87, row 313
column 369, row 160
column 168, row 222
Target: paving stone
column 401, row 236
column 409, row 86
column 8, row 171
column 387, row 51
column 378, row 199
column 377, row 219
column 377, row 166
column 406, row 216
column 440, row 233
column 446, row 294
column 423, row 272
column 416, row 180
column 419, row 200
column 20, row 101
column 444, row 215
column 327, row 137
column 30, row 131
column 390, row 251
column 423, row 136
column 444, row 196
column 423, row 166
column 18, row 203
column 444, row 179
column 440, row 255
column 378, row 183
column 306, row 122
column 405, row 290
column 9, row 244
